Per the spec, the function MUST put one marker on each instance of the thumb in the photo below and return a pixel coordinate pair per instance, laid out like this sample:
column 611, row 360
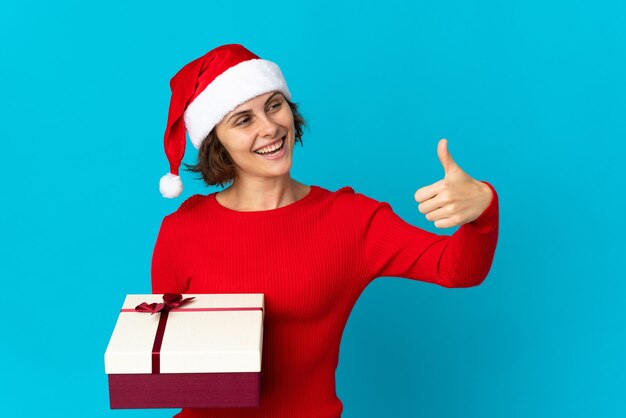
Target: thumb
column 444, row 156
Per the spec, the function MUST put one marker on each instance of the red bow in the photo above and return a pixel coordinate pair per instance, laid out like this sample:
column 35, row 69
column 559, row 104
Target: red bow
column 170, row 300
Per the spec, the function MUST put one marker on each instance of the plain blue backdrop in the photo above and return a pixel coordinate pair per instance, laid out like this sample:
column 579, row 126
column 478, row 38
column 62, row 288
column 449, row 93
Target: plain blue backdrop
column 530, row 94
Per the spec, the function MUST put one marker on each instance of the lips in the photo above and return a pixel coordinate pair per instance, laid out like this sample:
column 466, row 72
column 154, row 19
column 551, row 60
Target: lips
column 271, row 143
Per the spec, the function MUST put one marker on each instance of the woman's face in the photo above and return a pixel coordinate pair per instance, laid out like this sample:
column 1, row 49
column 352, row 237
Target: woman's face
column 262, row 123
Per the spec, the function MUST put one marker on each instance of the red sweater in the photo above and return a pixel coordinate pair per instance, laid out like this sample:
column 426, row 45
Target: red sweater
column 311, row 259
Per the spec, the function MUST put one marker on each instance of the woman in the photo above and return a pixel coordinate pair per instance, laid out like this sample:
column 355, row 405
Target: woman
column 309, row 250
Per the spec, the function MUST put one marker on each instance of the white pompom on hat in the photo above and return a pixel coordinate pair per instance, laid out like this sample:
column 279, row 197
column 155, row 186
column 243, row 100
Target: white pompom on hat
column 207, row 89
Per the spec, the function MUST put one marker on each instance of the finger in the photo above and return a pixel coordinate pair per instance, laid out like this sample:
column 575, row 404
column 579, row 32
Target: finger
column 431, row 204
column 445, row 223
column 427, row 192
column 445, row 158
column 437, row 214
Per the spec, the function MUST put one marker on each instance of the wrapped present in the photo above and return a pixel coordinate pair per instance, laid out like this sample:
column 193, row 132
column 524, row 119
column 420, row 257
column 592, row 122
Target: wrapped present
column 194, row 350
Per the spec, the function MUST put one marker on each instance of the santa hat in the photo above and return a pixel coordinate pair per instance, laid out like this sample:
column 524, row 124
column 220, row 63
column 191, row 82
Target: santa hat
column 206, row 90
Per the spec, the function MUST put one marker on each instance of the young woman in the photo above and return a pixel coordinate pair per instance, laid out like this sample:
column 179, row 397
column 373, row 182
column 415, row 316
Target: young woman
column 309, row 250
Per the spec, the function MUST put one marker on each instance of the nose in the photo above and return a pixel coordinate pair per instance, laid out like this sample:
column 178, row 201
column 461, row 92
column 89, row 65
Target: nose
column 268, row 127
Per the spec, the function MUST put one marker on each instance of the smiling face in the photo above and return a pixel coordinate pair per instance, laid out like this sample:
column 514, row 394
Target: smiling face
column 253, row 130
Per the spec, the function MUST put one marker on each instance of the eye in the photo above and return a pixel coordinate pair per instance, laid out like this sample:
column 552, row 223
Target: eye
column 242, row 122
column 275, row 105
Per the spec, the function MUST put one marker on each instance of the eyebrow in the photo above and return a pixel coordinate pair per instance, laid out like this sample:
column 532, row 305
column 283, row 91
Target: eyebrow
column 248, row 110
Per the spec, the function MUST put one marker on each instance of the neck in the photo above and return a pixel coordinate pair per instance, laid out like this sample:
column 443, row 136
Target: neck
column 255, row 194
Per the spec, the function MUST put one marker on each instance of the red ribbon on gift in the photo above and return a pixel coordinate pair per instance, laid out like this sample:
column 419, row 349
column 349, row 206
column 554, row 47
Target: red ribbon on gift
column 171, row 302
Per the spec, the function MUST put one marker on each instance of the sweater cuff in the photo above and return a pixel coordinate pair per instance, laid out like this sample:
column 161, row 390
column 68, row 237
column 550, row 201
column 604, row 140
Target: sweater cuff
column 488, row 220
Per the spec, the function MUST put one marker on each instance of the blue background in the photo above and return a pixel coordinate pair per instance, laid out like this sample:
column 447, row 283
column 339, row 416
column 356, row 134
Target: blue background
column 530, row 95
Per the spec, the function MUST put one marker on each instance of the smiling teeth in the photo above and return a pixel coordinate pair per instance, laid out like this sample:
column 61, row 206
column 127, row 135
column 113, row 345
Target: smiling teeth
column 270, row 148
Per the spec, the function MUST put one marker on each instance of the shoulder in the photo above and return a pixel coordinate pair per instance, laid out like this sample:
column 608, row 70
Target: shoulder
column 348, row 198
column 190, row 207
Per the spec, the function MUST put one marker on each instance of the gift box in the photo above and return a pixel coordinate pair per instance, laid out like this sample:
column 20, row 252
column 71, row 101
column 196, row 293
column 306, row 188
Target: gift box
column 193, row 350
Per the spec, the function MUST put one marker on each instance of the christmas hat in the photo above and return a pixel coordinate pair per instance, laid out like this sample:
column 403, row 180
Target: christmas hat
column 206, row 90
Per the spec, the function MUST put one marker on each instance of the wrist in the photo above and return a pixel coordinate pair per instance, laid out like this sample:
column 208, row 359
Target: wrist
column 487, row 191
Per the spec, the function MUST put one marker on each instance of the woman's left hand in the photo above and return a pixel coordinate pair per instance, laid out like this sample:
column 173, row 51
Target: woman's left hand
column 457, row 198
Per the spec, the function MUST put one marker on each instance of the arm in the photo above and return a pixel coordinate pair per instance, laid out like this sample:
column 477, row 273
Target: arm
column 166, row 269
column 395, row 248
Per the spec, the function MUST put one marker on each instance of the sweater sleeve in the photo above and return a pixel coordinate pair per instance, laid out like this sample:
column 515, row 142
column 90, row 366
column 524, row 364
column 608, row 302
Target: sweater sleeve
column 395, row 248
column 166, row 271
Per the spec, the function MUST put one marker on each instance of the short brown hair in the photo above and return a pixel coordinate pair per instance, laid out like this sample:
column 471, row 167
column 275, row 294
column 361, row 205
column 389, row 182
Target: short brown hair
column 215, row 165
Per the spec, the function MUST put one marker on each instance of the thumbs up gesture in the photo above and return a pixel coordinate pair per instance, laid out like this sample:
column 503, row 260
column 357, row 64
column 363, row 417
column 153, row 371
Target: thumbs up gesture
column 457, row 198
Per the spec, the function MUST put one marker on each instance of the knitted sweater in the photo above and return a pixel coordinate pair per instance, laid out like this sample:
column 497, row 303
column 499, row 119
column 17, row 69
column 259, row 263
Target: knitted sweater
column 311, row 259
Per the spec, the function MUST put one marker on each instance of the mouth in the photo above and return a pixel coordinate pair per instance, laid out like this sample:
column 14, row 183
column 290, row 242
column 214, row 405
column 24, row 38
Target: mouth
column 273, row 149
